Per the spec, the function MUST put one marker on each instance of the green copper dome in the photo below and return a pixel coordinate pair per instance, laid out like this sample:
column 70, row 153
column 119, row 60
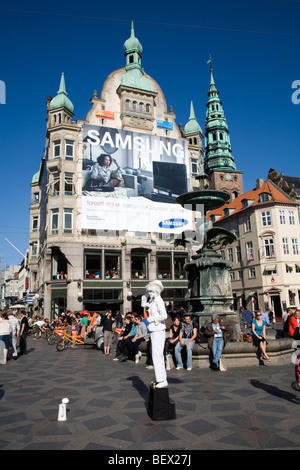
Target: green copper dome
column 132, row 44
column 61, row 100
column 192, row 125
column 134, row 76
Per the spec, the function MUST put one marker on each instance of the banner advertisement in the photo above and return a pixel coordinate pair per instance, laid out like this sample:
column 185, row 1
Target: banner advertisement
column 130, row 181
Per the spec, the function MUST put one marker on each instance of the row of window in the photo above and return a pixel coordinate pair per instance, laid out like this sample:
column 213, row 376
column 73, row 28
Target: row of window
column 135, row 106
column 239, row 275
column 267, row 250
column 55, row 186
column 66, row 151
column 266, row 219
column 67, row 221
column 106, row 264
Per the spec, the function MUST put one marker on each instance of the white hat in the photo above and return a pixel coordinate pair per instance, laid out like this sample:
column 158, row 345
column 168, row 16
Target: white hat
column 156, row 284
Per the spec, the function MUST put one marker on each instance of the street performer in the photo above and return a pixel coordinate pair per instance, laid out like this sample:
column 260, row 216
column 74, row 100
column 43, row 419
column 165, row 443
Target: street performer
column 156, row 325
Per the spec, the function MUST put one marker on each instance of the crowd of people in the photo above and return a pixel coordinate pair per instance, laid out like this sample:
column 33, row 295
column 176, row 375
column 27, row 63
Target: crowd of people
column 132, row 329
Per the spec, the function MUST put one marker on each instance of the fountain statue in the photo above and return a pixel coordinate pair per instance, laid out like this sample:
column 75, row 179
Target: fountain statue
column 209, row 285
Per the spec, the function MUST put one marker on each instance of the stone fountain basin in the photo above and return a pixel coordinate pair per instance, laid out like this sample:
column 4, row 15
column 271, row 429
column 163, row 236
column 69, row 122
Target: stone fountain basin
column 209, row 198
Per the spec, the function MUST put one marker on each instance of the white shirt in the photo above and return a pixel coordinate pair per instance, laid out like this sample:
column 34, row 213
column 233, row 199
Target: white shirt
column 157, row 313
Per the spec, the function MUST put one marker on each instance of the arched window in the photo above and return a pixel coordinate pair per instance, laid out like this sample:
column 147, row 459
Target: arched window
column 141, row 107
column 134, row 105
column 127, row 104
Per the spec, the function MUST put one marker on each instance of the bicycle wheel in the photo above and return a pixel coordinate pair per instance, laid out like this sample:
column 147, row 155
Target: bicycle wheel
column 61, row 345
column 52, row 338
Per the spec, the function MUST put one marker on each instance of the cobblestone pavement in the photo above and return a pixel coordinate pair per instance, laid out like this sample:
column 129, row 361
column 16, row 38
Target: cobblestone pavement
column 254, row 408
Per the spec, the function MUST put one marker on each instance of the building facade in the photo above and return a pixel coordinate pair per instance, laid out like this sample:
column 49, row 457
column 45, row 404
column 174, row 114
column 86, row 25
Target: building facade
column 95, row 242
column 266, row 256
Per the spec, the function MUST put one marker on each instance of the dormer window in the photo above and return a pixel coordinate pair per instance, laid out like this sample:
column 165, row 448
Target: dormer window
column 264, row 197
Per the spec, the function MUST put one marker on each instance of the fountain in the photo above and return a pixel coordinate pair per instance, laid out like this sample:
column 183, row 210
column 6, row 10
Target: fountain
column 209, row 286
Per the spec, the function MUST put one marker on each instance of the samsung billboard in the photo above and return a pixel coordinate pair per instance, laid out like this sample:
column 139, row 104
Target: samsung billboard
column 130, row 181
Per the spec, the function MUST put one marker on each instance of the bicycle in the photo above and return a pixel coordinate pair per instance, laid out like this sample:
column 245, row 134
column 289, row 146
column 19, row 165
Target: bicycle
column 66, row 340
column 56, row 334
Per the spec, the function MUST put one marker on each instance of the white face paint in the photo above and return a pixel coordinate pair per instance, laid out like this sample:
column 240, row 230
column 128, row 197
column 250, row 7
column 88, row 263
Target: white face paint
column 152, row 294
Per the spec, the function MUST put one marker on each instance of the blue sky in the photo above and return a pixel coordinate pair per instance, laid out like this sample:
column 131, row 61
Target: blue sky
column 255, row 47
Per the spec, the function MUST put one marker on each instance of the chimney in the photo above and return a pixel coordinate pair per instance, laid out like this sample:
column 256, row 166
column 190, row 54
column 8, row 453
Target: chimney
column 259, row 183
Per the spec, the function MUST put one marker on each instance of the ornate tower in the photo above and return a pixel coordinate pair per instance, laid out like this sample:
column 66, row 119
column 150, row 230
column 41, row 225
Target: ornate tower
column 135, row 90
column 219, row 163
column 194, row 136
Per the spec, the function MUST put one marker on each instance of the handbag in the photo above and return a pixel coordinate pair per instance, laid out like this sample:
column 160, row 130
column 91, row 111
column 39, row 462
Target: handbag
column 296, row 334
column 223, row 366
column 169, row 362
column 247, row 337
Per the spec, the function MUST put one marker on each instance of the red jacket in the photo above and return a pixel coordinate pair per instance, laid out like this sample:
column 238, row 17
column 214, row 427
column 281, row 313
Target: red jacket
column 293, row 323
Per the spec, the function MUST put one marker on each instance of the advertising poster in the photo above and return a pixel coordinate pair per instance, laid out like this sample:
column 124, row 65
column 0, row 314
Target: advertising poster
column 130, row 181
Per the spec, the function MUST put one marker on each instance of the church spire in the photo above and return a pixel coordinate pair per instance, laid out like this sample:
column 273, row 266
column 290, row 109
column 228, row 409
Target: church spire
column 217, row 145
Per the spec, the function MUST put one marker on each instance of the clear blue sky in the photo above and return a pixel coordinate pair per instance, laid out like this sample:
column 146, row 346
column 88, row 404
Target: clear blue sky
column 255, row 47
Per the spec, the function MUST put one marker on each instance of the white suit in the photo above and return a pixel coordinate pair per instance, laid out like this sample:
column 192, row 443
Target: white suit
column 156, row 325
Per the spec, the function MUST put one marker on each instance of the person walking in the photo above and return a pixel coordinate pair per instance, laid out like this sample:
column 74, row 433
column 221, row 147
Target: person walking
column 24, row 327
column 14, row 322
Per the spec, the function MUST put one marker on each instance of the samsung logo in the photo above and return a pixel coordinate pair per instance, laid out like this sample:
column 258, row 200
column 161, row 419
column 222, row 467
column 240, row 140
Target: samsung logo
column 173, row 223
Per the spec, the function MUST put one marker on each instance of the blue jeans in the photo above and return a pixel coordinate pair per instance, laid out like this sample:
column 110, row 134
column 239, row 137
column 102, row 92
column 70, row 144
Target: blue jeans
column 217, row 348
column 189, row 348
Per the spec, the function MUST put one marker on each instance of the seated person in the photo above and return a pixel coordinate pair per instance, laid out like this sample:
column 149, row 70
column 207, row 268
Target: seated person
column 173, row 338
column 127, row 339
column 126, row 328
column 140, row 336
column 102, row 177
column 186, row 339
column 294, row 323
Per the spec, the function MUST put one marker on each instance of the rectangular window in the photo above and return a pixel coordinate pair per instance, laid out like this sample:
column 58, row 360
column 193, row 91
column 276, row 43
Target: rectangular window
column 266, row 218
column 93, row 265
column 247, row 224
column 295, row 246
column 55, row 184
column 36, row 198
column 139, row 266
column 285, row 246
column 68, row 220
column 56, row 148
column 232, row 275
column 164, row 269
column 179, row 262
column 34, row 250
column 282, row 217
column 252, row 273
column 230, row 254
column 194, row 167
column 69, row 184
column 35, row 223
column 249, row 249
column 291, row 217
column 69, row 150
column 112, row 265
column 269, row 247
column 54, row 221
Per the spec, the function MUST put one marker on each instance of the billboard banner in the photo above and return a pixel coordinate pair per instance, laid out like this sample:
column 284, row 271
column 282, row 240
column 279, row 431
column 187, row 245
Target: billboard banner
column 130, row 181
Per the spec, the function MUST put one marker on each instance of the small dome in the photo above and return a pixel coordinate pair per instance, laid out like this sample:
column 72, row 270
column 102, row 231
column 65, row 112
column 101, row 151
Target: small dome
column 132, row 43
column 192, row 125
column 61, row 100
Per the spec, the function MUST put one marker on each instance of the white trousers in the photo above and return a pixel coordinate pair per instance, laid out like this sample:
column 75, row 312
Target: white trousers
column 157, row 345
